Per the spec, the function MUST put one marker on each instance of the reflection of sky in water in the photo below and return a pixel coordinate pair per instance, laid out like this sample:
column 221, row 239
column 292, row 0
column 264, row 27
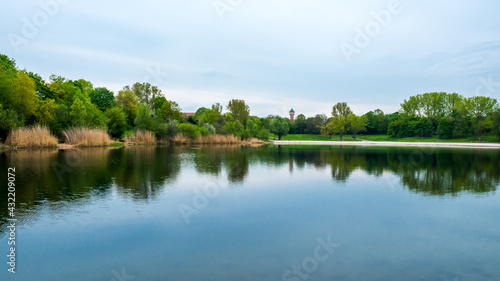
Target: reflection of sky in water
column 258, row 228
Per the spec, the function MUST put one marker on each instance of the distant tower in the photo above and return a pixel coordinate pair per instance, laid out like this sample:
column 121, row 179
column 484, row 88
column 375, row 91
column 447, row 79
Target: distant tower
column 292, row 114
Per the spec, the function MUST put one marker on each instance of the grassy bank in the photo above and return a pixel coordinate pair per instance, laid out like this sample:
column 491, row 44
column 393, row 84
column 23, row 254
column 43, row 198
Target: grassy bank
column 306, row 137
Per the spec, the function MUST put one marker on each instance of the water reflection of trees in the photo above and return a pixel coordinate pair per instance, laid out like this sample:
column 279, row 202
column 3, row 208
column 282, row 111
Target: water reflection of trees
column 65, row 179
column 234, row 159
column 424, row 170
column 59, row 179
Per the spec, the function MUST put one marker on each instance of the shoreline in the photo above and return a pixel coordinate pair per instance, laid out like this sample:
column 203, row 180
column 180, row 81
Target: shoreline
column 394, row 144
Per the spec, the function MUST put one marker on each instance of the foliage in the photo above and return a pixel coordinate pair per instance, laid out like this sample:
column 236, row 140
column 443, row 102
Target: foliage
column 239, row 109
column 116, row 120
column 341, row 109
column 102, row 98
column 170, row 110
column 356, row 124
column 145, row 93
column 190, row 131
column 280, row 126
column 127, row 100
column 144, row 119
column 445, row 128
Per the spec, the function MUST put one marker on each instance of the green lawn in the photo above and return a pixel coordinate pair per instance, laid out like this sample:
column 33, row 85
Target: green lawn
column 306, row 137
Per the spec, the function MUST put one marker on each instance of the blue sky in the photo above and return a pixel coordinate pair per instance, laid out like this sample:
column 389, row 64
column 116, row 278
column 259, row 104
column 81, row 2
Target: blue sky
column 275, row 54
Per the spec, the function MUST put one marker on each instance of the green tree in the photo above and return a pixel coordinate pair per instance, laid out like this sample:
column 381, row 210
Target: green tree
column 300, row 124
column 423, row 127
column 146, row 93
column 170, row 110
column 253, row 128
column 445, row 128
column 280, row 126
column 341, row 109
column 102, row 98
column 356, row 124
column 496, row 122
column 46, row 113
column 340, row 113
column 144, row 119
column 8, row 121
column 116, row 120
column 339, row 125
column 217, row 107
column 78, row 113
column 479, row 107
column 24, row 100
column 239, row 109
column 129, row 104
column 42, row 89
column 327, row 129
column 158, row 102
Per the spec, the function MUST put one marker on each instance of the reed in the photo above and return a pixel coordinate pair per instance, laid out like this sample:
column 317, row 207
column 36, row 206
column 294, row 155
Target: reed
column 31, row 137
column 180, row 139
column 86, row 137
column 141, row 137
column 217, row 139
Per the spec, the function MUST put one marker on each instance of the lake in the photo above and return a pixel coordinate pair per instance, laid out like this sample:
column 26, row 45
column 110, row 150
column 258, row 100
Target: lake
column 253, row 213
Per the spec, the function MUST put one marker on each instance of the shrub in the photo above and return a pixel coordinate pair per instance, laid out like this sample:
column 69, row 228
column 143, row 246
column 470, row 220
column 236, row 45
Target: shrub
column 86, row 137
column 209, row 128
column 190, row 131
column 33, row 137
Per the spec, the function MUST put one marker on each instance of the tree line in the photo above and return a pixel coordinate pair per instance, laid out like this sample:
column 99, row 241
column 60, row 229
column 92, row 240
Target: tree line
column 61, row 103
column 446, row 115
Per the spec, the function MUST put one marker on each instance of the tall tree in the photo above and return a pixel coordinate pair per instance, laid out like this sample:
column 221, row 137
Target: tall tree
column 341, row 109
column 24, row 99
column 127, row 100
column 146, row 93
column 340, row 113
column 239, row 109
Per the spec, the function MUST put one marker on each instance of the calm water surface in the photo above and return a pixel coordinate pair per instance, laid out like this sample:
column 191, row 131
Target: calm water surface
column 262, row 213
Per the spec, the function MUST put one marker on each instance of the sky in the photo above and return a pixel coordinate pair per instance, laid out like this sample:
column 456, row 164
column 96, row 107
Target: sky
column 274, row 54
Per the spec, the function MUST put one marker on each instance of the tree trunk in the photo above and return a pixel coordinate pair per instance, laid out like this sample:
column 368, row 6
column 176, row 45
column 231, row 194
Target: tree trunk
column 279, row 137
column 340, row 136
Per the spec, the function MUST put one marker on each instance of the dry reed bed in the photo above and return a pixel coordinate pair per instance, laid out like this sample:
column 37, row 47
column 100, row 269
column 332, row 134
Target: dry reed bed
column 141, row 137
column 210, row 139
column 31, row 137
column 86, row 137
